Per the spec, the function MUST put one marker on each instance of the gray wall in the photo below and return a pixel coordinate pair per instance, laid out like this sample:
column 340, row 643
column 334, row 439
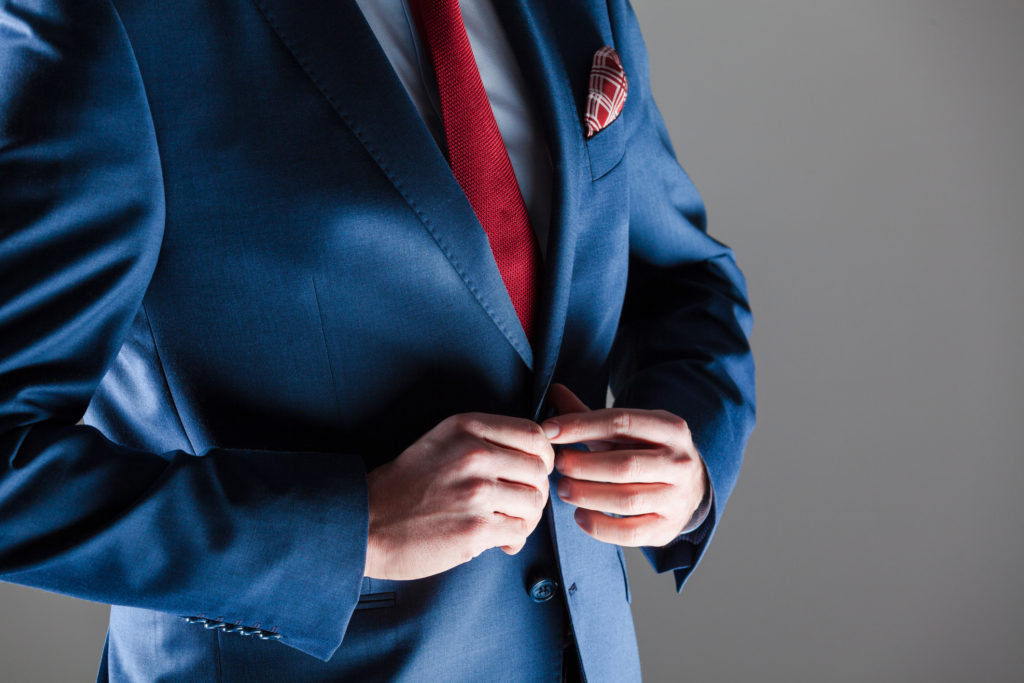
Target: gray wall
column 866, row 161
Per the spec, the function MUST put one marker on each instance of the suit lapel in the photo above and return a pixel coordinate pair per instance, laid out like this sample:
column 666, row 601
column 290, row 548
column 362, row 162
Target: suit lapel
column 336, row 47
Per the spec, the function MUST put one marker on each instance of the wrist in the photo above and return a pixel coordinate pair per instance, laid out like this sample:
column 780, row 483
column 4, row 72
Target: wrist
column 375, row 562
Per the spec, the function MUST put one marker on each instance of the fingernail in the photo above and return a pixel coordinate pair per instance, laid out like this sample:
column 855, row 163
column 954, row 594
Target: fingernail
column 563, row 488
column 551, row 429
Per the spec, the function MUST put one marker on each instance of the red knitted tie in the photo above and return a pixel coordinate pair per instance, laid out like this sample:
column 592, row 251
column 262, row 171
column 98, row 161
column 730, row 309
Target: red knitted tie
column 477, row 153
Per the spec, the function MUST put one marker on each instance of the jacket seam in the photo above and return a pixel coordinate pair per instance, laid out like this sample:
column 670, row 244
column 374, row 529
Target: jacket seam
column 167, row 384
column 327, row 350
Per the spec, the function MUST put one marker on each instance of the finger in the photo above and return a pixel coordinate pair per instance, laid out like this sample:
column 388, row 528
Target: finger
column 564, row 400
column 513, row 550
column 619, row 467
column 517, row 500
column 483, row 497
column 609, row 444
column 509, row 532
column 486, row 460
column 652, row 426
column 648, row 529
column 621, row 499
column 511, row 432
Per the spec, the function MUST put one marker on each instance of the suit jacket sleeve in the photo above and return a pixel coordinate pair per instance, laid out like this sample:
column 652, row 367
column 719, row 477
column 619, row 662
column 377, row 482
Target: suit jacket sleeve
column 682, row 343
column 267, row 539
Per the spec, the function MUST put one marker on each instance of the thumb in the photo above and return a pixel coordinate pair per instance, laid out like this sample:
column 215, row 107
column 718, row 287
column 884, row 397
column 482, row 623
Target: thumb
column 565, row 401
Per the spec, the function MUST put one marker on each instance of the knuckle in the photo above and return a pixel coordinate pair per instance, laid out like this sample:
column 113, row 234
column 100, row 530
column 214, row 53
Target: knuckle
column 472, row 457
column 453, row 421
column 546, row 465
column 537, row 433
column 541, row 489
column 476, row 523
column 685, row 436
column 620, row 421
column 427, row 444
column 635, row 502
column 629, row 467
column 471, row 423
column 523, row 527
column 671, row 418
column 681, row 464
column 535, row 441
column 478, row 491
column 635, row 536
column 473, row 530
column 540, row 470
column 479, row 532
column 665, row 455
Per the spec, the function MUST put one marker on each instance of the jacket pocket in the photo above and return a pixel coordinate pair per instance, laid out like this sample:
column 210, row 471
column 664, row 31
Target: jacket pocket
column 607, row 146
column 376, row 600
column 371, row 599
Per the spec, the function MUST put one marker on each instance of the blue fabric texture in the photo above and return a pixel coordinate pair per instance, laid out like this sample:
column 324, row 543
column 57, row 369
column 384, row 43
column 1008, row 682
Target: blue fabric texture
column 230, row 246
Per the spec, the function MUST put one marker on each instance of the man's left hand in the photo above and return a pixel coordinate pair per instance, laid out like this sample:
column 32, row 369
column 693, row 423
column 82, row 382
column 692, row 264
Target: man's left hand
column 640, row 463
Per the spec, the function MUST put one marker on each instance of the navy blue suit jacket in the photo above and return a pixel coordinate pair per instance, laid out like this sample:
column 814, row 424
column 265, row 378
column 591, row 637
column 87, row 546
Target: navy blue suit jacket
column 230, row 244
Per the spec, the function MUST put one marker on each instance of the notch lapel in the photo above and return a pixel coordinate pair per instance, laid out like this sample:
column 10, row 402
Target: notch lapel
column 336, row 47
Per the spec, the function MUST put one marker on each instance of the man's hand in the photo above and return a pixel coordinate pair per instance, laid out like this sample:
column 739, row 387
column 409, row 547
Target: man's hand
column 641, row 463
column 475, row 481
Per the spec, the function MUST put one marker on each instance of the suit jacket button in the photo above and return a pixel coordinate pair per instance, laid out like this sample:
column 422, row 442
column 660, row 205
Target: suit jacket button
column 543, row 589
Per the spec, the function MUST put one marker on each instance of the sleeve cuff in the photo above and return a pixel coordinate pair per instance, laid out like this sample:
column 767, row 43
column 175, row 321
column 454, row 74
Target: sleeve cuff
column 298, row 553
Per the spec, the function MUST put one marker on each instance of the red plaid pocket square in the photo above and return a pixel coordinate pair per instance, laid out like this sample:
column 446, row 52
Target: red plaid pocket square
column 608, row 86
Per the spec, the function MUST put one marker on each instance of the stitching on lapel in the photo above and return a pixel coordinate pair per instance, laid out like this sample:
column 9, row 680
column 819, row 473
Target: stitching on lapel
column 525, row 353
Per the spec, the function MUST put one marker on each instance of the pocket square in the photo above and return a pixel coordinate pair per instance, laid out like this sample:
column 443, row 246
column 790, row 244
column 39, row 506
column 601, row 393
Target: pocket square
column 607, row 93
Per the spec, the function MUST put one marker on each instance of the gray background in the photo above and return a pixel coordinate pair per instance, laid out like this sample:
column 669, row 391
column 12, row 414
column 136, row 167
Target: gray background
column 866, row 162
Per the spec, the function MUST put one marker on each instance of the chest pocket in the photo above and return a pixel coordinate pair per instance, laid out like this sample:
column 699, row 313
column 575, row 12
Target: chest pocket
column 608, row 145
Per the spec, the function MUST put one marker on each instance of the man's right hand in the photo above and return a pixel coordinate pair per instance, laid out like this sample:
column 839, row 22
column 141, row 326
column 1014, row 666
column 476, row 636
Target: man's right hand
column 475, row 481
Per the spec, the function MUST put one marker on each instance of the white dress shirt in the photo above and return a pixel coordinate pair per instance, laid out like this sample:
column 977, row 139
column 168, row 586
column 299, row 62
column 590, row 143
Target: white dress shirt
column 521, row 130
